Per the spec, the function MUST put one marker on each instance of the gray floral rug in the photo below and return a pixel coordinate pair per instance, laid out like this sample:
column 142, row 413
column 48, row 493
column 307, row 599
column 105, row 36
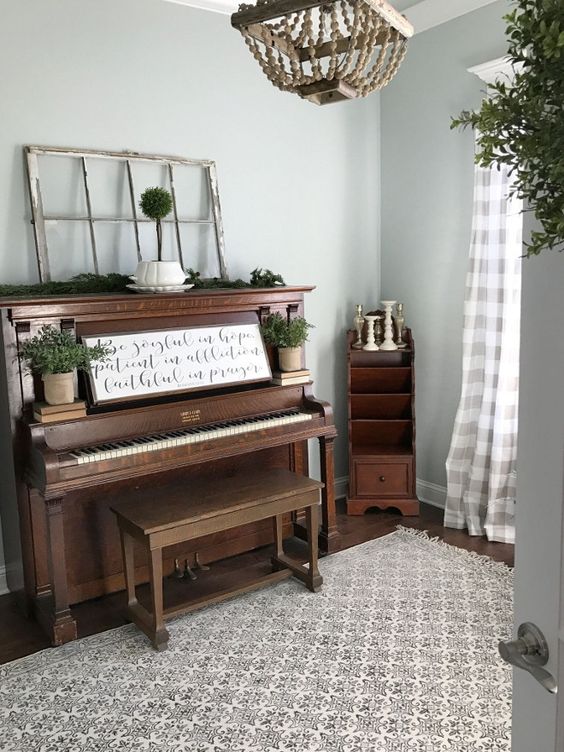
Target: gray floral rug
column 397, row 653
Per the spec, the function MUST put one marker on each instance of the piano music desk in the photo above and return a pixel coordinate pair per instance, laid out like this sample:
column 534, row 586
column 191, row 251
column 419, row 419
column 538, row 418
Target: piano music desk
column 203, row 508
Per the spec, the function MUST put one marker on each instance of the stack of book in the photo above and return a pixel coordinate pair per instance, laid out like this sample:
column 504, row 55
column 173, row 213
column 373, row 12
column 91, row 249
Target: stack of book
column 44, row 413
column 285, row 378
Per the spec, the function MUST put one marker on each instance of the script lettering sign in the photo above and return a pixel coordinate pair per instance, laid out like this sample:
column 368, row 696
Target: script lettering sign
column 177, row 360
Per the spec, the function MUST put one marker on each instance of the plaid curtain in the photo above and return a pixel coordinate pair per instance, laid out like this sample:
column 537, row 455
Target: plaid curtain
column 480, row 466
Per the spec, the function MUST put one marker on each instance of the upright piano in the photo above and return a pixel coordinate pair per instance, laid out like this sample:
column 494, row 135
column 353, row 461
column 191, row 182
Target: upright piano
column 67, row 473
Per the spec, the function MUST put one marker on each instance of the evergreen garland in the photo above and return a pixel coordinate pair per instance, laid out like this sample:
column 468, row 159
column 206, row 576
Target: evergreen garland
column 259, row 278
column 84, row 284
column 79, row 285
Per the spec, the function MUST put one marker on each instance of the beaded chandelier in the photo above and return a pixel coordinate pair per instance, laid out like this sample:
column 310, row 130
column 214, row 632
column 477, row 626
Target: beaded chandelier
column 325, row 51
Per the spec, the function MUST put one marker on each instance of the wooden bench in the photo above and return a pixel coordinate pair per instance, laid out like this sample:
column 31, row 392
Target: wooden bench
column 205, row 507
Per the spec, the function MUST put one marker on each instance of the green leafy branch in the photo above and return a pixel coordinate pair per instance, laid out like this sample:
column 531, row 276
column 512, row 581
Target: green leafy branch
column 521, row 124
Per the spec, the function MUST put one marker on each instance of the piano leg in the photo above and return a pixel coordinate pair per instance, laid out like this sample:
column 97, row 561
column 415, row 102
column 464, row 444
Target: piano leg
column 329, row 538
column 53, row 609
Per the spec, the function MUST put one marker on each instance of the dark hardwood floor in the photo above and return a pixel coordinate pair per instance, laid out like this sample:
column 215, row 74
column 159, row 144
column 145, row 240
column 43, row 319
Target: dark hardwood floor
column 20, row 636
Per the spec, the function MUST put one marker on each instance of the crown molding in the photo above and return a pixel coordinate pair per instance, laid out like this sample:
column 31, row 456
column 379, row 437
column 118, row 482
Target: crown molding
column 493, row 70
column 423, row 15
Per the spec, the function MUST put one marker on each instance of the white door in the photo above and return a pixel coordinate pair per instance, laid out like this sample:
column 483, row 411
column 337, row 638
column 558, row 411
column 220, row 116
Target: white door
column 538, row 716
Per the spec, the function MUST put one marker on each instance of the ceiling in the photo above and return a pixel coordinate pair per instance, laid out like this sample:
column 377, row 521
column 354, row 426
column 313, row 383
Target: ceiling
column 423, row 15
column 401, row 5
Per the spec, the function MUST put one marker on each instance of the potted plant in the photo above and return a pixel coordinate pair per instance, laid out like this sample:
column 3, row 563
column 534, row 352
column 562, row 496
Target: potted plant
column 156, row 204
column 55, row 355
column 288, row 337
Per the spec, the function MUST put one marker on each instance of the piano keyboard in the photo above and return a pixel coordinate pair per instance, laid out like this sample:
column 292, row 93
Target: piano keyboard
column 183, row 436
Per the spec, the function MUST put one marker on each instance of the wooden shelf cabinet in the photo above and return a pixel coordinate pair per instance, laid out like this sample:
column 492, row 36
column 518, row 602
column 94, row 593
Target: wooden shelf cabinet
column 381, row 429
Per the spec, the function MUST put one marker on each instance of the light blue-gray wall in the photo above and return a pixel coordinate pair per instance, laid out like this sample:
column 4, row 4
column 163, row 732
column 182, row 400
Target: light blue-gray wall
column 299, row 184
column 427, row 185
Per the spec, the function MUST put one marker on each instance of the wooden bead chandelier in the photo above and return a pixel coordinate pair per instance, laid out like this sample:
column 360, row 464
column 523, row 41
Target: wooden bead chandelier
column 325, row 51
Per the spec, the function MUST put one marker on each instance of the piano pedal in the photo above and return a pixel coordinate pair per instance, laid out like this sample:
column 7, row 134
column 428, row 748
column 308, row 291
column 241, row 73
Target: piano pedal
column 198, row 564
column 189, row 573
column 177, row 574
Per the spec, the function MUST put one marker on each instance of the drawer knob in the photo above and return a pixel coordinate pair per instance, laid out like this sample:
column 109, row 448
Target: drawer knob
column 382, row 478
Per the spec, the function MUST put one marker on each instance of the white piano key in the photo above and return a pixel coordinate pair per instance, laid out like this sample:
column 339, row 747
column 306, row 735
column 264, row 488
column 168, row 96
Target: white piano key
column 182, row 437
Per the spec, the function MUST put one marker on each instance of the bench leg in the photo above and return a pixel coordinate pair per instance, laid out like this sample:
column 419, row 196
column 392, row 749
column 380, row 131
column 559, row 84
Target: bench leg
column 160, row 634
column 129, row 566
column 314, row 580
column 278, row 544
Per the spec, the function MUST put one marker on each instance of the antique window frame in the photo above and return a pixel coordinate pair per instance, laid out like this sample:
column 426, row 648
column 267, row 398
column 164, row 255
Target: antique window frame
column 40, row 220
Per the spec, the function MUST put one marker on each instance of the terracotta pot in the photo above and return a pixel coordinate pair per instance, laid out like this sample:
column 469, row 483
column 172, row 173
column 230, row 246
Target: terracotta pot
column 58, row 388
column 290, row 358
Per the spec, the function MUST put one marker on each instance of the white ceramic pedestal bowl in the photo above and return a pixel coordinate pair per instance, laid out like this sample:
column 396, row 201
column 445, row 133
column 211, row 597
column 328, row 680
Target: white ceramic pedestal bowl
column 159, row 274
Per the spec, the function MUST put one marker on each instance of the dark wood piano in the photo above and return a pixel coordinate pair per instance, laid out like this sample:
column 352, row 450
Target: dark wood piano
column 68, row 473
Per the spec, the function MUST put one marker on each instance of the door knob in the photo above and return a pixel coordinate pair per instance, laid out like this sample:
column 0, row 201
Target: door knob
column 529, row 652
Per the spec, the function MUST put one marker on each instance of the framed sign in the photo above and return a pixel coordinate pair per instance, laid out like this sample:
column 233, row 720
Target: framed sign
column 177, row 360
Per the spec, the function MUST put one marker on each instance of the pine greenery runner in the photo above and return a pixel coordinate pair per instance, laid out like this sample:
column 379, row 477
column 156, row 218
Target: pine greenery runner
column 522, row 124
column 84, row 284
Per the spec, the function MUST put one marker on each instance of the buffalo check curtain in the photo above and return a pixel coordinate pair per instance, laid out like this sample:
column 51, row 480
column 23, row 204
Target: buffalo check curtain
column 481, row 471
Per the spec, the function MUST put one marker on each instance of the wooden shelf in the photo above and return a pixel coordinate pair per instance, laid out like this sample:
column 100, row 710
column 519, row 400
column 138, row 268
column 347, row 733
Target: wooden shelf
column 365, row 450
column 382, row 430
column 380, row 358
column 394, row 433
column 380, row 406
column 380, row 394
column 396, row 380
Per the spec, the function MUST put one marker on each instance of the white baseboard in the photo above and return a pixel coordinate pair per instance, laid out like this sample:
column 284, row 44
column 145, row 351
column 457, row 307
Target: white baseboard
column 430, row 493
column 341, row 487
column 3, row 581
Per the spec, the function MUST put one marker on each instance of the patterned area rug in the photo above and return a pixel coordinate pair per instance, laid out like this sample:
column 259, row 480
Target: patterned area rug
column 397, row 653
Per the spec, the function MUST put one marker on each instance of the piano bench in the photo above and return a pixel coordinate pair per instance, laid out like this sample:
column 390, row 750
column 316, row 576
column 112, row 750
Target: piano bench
column 207, row 507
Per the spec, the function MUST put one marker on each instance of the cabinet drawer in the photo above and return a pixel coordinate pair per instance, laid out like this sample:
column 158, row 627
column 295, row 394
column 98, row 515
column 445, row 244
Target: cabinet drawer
column 381, row 478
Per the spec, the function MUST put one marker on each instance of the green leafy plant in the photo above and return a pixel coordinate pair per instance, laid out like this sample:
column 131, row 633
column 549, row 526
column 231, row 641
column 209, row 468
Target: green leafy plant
column 54, row 351
column 521, row 124
column 155, row 204
column 279, row 332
